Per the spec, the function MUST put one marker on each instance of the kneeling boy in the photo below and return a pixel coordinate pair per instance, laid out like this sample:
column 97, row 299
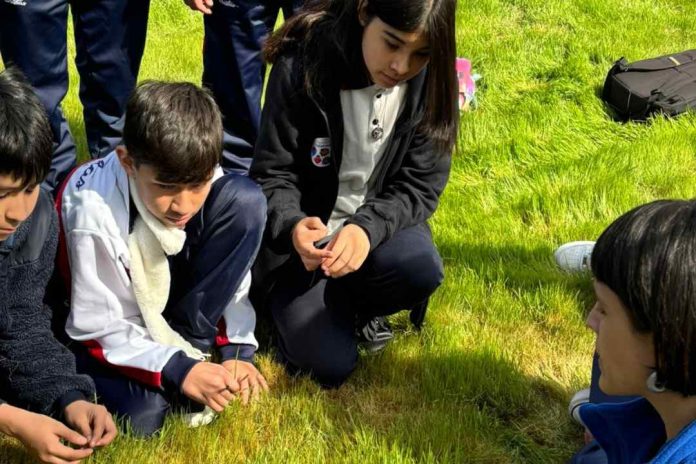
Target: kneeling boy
column 159, row 245
column 37, row 373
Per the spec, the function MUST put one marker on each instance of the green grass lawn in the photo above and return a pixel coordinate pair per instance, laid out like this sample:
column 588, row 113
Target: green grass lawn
column 538, row 164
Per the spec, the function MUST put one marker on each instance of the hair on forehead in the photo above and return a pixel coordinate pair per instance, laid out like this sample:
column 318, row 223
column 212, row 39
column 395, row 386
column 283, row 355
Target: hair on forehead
column 26, row 139
column 403, row 15
column 176, row 128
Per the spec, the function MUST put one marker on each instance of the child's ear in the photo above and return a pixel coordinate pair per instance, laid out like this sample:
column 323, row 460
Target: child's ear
column 362, row 12
column 126, row 160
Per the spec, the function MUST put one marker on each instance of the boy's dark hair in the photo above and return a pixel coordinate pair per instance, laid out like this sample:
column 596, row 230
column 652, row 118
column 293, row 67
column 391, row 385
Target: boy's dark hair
column 328, row 34
column 26, row 139
column 176, row 128
column 648, row 258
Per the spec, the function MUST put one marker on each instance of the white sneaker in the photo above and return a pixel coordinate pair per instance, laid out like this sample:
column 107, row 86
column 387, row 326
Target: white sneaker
column 578, row 399
column 574, row 256
column 199, row 419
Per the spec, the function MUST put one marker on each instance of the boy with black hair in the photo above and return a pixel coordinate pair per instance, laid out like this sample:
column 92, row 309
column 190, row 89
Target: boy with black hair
column 37, row 373
column 160, row 244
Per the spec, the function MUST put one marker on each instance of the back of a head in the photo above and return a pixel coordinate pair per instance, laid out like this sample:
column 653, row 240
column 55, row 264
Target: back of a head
column 26, row 139
column 176, row 128
column 648, row 258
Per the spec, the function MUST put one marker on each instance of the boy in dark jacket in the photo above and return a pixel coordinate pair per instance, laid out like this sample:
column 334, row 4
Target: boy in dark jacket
column 37, row 373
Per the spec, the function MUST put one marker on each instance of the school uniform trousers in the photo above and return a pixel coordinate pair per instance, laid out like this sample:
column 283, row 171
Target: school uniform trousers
column 221, row 242
column 316, row 316
column 109, row 41
column 233, row 69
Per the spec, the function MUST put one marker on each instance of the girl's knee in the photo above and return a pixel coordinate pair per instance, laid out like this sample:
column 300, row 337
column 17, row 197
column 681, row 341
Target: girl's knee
column 420, row 271
column 328, row 366
column 334, row 377
column 433, row 272
column 333, row 371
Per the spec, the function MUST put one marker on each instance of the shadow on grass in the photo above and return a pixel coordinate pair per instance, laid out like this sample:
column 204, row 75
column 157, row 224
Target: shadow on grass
column 519, row 267
column 449, row 407
column 457, row 406
column 608, row 110
column 11, row 451
column 612, row 113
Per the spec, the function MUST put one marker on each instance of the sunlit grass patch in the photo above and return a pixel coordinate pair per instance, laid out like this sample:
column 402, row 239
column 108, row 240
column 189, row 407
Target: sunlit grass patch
column 540, row 162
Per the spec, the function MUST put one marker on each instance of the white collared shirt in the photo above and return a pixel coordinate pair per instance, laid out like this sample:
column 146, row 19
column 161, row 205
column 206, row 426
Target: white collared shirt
column 364, row 110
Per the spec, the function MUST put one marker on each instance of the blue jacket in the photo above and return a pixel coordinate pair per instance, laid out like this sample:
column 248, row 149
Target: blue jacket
column 36, row 371
column 633, row 433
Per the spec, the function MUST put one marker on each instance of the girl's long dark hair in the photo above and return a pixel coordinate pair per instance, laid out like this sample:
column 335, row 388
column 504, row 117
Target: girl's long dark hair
column 327, row 34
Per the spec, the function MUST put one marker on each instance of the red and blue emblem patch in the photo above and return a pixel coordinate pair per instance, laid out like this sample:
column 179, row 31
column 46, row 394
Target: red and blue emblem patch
column 321, row 152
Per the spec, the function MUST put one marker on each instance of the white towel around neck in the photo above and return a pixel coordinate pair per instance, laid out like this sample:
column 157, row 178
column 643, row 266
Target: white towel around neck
column 149, row 245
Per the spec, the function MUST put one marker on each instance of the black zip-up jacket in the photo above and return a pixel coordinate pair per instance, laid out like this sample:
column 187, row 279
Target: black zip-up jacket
column 409, row 180
column 36, row 371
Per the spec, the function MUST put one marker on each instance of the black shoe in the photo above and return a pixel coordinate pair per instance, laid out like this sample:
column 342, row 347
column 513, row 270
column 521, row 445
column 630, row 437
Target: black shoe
column 374, row 336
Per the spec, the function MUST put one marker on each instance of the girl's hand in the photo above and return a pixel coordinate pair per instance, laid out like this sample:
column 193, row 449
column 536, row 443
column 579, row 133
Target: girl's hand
column 200, row 5
column 349, row 248
column 42, row 436
column 304, row 234
column 93, row 421
column 250, row 380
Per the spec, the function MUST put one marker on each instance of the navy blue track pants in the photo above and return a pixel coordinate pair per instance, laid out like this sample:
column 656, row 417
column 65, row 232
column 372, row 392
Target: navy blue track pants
column 221, row 244
column 109, row 40
column 316, row 317
column 233, row 69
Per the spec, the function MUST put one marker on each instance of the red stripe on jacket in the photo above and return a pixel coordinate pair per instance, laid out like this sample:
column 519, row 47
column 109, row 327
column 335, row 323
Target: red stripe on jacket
column 221, row 337
column 154, row 379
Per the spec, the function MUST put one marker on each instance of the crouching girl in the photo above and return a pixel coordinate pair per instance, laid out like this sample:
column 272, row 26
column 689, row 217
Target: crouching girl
column 353, row 154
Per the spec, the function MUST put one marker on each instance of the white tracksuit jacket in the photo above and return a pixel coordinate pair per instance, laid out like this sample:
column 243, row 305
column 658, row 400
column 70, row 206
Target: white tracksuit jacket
column 104, row 315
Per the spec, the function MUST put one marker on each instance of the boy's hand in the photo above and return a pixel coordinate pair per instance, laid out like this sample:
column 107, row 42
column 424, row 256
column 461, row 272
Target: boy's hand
column 251, row 382
column 210, row 384
column 304, row 234
column 93, row 421
column 200, row 5
column 42, row 436
column 349, row 249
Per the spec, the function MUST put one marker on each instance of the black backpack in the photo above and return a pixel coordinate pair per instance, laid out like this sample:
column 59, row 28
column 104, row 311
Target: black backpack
column 665, row 85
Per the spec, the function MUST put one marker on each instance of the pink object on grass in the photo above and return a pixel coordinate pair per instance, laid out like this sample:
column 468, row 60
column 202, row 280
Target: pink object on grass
column 467, row 86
